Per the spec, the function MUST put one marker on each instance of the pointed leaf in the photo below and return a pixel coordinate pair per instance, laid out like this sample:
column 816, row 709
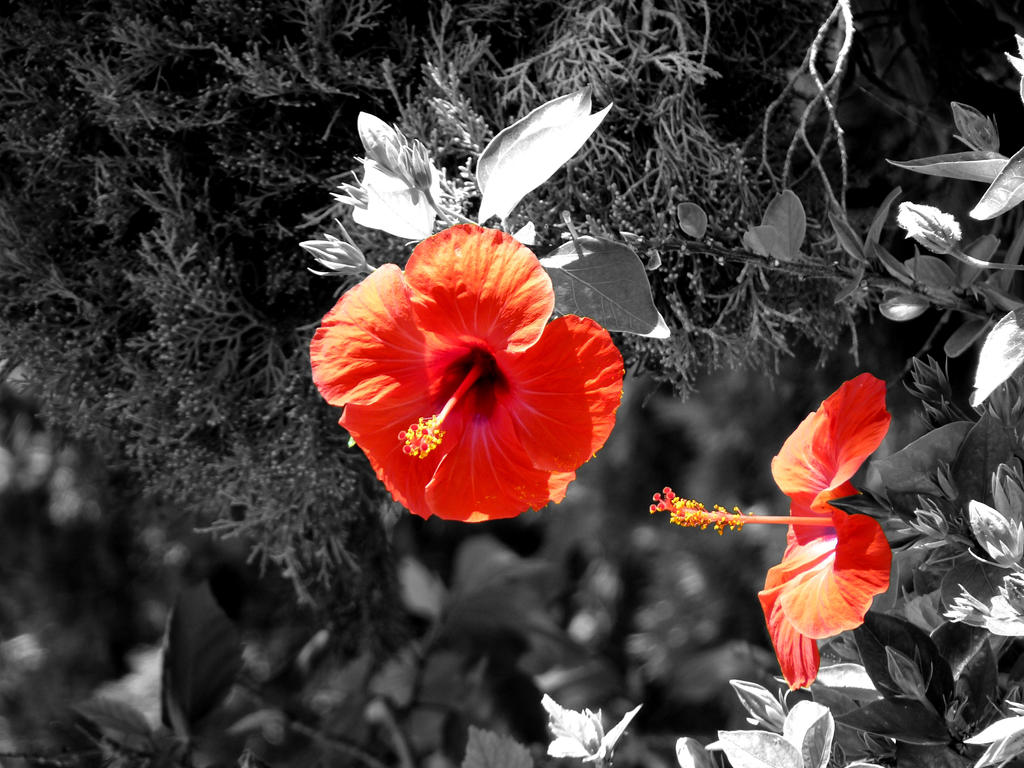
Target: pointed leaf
column 877, row 223
column 759, row 702
column 911, row 470
column 786, row 213
column 971, row 166
column 930, row 270
column 891, row 264
column 606, row 281
column 903, row 720
column 1001, row 355
column 847, row 238
column 851, row 679
column 986, row 446
column 487, row 749
column 880, row 633
column 1005, row 192
column 758, row 749
column 810, row 727
column 526, row 154
column 202, row 656
column 692, row 219
column 691, row 754
column 980, row 250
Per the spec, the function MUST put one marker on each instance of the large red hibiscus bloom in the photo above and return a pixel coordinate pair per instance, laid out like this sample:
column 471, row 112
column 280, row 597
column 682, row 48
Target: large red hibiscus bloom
column 830, row 573
column 469, row 404
column 834, row 563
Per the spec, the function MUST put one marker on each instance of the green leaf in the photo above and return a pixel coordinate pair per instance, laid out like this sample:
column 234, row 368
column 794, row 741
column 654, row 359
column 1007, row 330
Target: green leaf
column 202, row 656
column 971, row 166
column 764, row 240
column 527, row 153
column 930, row 270
column 758, row 749
column 877, row 223
column 878, row 634
column 786, row 214
column 903, row 720
column 487, row 749
column 852, row 679
column 1001, row 355
column 901, row 307
column 810, row 727
column 892, row 265
column 963, row 338
column 692, row 219
column 986, row 446
column 1005, row 192
column 117, row 721
column 691, row 754
column 604, row 280
column 764, row 708
column 912, row 469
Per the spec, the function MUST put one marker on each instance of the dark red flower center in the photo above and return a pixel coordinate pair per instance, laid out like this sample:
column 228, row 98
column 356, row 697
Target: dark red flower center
column 474, row 379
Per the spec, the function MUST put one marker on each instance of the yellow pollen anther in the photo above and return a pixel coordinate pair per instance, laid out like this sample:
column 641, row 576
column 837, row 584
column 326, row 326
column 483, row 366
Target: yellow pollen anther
column 693, row 514
column 422, row 437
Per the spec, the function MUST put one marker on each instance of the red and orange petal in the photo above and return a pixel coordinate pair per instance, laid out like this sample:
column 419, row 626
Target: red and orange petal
column 822, row 588
column 563, row 392
column 830, row 444
column 471, row 283
column 368, row 347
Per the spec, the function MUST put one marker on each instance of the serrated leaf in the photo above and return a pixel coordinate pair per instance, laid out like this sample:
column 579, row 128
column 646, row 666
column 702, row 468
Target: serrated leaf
column 970, row 166
column 202, row 656
column 759, row 702
column 692, row 219
column 758, row 749
column 903, row 720
column 1005, row 192
column 786, row 214
column 487, row 749
column 810, row 727
column 604, row 280
column 963, row 338
column 527, row 153
column 1001, row 355
column 902, row 307
column 117, row 721
column 691, row 754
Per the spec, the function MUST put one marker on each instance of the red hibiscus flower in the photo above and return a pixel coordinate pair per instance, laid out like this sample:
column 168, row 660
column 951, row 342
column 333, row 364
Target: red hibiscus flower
column 830, row 573
column 469, row 404
column 834, row 563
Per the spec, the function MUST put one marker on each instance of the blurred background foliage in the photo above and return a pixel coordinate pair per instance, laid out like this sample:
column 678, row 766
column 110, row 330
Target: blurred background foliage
column 162, row 160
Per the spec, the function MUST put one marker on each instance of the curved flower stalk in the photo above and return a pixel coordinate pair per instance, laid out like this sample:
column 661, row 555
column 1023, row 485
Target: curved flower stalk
column 469, row 404
column 835, row 562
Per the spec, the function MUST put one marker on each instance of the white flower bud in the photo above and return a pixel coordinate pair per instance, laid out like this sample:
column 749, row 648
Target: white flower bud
column 936, row 230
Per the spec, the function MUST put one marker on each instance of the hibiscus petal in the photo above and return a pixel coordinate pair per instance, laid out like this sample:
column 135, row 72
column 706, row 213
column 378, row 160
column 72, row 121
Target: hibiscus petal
column 563, row 392
column 797, row 654
column 375, row 429
column 825, row 596
column 487, row 475
column 830, row 444
column 474, row 284
column 368, row 346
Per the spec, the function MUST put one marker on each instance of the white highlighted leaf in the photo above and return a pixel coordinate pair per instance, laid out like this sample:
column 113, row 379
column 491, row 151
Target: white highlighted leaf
column 526, row 154
column 1001, row 355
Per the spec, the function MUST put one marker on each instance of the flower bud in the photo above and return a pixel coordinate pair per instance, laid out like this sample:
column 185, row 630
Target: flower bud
column 1001, row 538
column 975, row 130
column 936, row 230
